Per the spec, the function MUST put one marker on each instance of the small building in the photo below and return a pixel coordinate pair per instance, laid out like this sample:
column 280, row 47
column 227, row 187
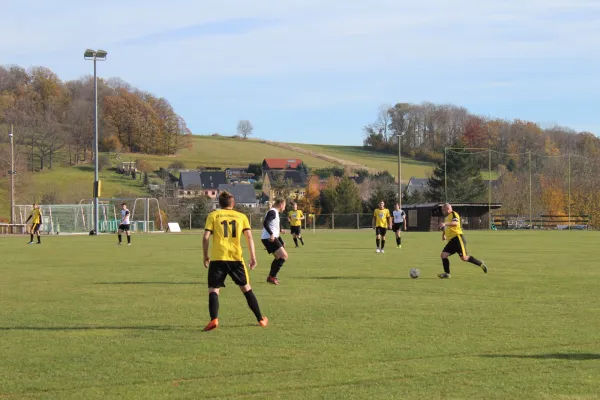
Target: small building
column 190, row 185
column 426, row 217
column 127, row 167
column 211, row 181
column 417, row 185
column 270, row 164
column 243, row 194
column 291, row 182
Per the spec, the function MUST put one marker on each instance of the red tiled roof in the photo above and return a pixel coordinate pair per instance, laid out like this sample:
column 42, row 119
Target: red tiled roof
column 282, row 163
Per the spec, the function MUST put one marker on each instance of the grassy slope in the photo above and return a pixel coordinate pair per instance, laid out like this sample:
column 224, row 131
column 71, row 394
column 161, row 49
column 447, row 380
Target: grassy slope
column 108, row 322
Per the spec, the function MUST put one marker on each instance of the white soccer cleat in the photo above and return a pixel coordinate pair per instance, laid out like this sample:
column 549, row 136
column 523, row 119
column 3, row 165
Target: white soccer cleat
column 383, row 251
column 377, row 251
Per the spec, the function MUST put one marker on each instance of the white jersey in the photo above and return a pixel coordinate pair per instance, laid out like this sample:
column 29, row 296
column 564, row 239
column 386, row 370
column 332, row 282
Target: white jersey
column 272, row 223
column 125, row 217
column 399, row 216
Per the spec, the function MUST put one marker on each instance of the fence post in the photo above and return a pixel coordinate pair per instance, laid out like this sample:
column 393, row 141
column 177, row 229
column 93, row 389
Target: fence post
column 190, row 221
column 332, row 221
column 250, row 218
column 357, row 221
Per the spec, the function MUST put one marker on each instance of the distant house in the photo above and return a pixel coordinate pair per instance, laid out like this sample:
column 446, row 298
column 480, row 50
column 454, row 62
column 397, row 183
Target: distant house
column 127, row 166
column 243, row 194
column 295, row 182
column 417, row 185
column 270, row 164
column 238, row 174
column 190, row 184
column 210, row 182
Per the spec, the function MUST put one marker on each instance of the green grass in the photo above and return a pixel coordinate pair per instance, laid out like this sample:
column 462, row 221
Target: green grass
column 83, row 318
column 225, row 152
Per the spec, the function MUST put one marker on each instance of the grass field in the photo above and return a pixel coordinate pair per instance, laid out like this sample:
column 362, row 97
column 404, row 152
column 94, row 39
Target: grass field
column 85, row 319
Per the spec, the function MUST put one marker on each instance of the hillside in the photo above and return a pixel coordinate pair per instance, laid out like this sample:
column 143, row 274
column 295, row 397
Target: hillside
column 71, row 184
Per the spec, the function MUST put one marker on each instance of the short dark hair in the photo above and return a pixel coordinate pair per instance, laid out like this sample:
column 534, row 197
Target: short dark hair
column 123, row 204
column 225, row 199
column 278, row 201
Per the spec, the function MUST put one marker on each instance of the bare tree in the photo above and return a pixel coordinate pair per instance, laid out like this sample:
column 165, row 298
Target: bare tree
column 244, row 128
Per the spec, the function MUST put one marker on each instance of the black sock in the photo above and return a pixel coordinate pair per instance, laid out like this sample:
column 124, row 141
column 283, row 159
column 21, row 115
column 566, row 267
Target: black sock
column 253, row 304
column 301, row 240
column 276, row 266
column 120, row 238
column 296, row 242
column 398, row 241
column 377, row 241
column 446, row 264
column 128, row 239
column 39, row 239
column 475, row 261
column 213, row 305
column 382, row 243
column 31, row 237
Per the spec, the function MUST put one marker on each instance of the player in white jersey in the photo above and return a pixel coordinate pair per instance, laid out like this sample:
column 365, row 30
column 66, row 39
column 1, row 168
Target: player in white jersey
column 271, row 238
column 399, row 219
column 124, row 225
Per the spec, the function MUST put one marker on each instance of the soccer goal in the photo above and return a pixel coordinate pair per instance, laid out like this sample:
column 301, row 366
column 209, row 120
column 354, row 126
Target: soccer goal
column 70, row 218
column 146, row 215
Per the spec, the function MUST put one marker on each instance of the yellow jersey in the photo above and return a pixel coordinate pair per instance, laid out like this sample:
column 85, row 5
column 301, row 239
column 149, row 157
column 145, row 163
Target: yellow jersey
column 227, row 228
column 382, row 218
column 452, row 231
column 294, row 217
column 36, row 216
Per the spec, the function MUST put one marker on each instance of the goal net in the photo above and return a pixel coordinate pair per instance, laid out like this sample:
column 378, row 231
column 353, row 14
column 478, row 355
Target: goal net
column 71, row 218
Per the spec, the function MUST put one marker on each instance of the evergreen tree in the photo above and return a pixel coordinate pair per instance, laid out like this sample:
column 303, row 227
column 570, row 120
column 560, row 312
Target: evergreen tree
column 347, row 197
column 385, row 192
column 463, row 178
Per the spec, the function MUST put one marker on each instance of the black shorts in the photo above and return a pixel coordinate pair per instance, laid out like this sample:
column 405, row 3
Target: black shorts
column 457, row 244
column 35, row 228
column 123, row 227
column 380, row 231
column 295, row 230
column 397, row 226
column 273, row 246
column 218, row 271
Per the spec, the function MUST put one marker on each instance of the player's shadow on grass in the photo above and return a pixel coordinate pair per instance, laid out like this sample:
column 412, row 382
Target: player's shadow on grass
column 95, row 328
column 147, row 283
column 359, row 277
column 553, row 356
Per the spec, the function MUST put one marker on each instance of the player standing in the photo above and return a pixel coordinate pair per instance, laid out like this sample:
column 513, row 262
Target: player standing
column 36, row 223
column 399, row 217
column 227, row 227
column 295, row 217
column 272, row 241
column 124, row 225
column 452, row 231
column 382, row 221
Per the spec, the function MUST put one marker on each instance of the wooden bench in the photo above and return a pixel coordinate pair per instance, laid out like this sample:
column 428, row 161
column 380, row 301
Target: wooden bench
column 13, row 228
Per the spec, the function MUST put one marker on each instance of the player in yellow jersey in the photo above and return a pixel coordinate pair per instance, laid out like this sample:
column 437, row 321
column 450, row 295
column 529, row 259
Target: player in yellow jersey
column 382, row 221
column 295, row 217
column 36, row 223
column 227, row 227
column 452, row 232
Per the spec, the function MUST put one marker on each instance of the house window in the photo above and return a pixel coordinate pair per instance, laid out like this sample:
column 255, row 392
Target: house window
column 189, row 192
column 213, row 192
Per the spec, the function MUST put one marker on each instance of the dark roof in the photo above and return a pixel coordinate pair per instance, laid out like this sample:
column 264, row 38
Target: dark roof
column 464, row 204
column 212, row 180
column 242, row 193
column 298, row 178
column 189, row 180
column 418, row 182
column 281, row 163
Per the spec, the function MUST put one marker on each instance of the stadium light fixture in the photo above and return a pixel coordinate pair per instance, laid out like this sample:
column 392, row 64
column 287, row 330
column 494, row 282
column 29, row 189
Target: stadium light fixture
column 95, row 55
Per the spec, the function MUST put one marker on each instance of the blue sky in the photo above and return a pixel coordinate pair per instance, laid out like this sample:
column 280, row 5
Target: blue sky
column 316, row 71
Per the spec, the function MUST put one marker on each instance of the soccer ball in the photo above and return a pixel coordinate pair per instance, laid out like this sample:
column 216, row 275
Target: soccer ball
column 414, row 273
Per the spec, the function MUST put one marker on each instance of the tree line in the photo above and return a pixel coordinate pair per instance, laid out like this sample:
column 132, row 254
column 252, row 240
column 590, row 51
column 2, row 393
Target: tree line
column 53, row 117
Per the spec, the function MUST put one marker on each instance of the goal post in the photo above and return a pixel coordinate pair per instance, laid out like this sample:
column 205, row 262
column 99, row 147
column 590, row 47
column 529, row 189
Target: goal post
column 146, row 215
column 68, row 219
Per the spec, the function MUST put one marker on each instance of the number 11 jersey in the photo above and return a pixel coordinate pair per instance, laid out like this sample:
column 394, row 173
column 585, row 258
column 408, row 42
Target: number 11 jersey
column 227, row 228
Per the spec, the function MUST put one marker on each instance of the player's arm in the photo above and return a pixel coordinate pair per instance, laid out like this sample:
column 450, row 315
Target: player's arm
column 30, row 216
column 389, row 218
column 205, row 242
column 268, row 218
column 251, row 248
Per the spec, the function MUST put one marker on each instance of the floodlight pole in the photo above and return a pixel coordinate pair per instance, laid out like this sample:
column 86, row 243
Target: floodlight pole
column 95, row 55
column 530, row 195
column 12, row 173
column 399, row 171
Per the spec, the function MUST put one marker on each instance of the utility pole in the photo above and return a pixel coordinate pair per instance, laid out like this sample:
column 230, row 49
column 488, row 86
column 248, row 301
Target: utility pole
column 12, row 173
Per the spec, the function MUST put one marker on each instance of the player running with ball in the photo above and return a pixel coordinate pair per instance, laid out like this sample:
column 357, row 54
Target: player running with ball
column 456, row 242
